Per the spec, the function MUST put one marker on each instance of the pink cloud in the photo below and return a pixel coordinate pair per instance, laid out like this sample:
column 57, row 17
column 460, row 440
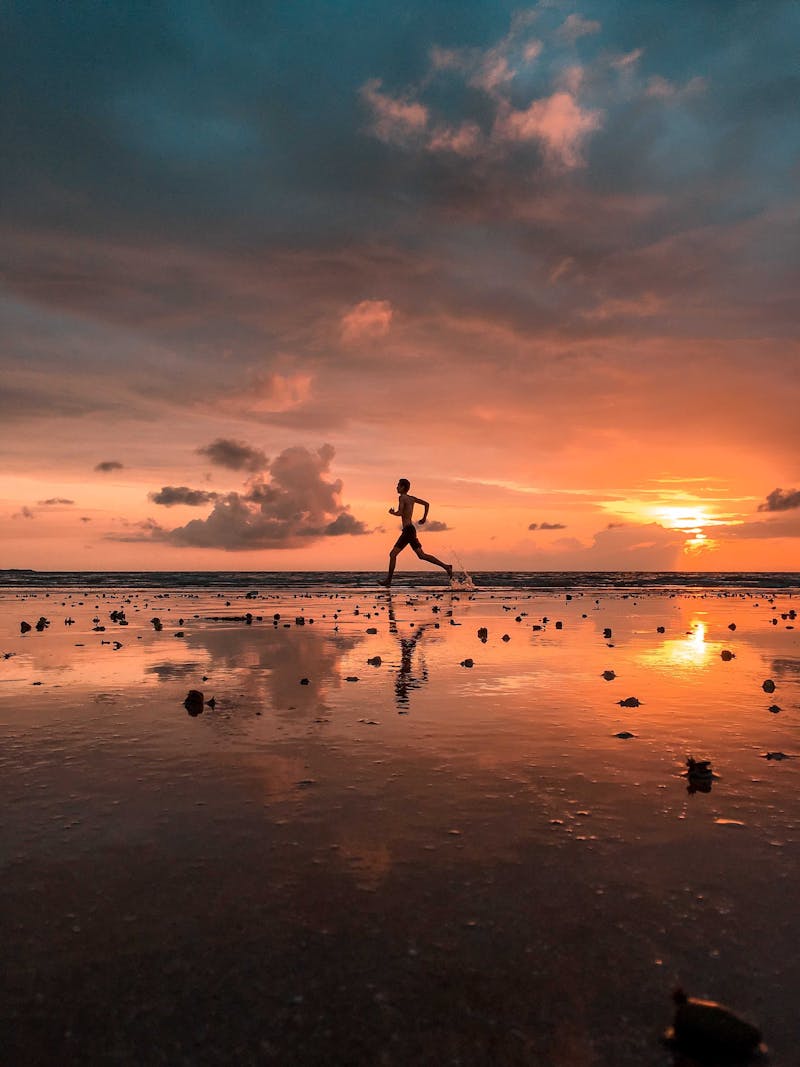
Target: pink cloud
column 278, row 392
column 661, row 89
column 366, row 321
column 557, row 121
column 627, row 61
column 642, row 307
column 464, row 140
column 575, row 26
column 394, row 120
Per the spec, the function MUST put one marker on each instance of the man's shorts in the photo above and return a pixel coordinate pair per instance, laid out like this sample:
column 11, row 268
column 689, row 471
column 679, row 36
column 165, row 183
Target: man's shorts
column 408, row 537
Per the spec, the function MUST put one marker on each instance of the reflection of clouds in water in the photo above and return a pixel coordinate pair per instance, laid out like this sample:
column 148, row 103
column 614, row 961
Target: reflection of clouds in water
column 165, row 672
column 369, row 862
column 272, row 661
column 786, row 668
column 279, row 775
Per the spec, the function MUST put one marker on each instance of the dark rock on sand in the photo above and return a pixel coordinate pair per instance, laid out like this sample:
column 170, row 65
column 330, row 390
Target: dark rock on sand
column 375, row 661
column 776, row 755
column 157, row 624
column 304, row 681
column 768, row 686
column 698, row 768
column 25, row 627
column 194, row 702
column 731, row 625
column 706, row 1029
column 629, row 702
column 607, row 632
column 483, row 634
column 726, row 655
column 624, row 735
column 608, row 675
column 467, row 662
column 774, row 708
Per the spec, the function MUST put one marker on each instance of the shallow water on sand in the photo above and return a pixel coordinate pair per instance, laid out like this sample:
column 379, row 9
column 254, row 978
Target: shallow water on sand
column 404, row 860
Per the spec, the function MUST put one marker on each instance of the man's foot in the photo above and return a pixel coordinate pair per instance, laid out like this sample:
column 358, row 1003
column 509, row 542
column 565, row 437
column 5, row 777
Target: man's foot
column 449, row 569
column 388, row 585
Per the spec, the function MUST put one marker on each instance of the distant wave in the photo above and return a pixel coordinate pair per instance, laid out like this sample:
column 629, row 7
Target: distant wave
column 266, row 581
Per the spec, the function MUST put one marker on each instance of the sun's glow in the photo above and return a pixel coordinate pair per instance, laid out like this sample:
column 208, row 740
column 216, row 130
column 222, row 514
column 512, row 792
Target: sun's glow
column 692, row 520
column 689, row 651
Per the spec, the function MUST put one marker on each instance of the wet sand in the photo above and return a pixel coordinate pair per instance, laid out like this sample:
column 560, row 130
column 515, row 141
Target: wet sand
column 432, row 863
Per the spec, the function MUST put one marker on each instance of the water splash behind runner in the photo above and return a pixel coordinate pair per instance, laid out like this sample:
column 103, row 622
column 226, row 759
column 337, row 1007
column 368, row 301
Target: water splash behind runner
column 463, row 579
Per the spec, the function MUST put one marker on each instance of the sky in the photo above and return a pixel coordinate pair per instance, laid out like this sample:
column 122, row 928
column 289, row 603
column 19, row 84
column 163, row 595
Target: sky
column 260, row 260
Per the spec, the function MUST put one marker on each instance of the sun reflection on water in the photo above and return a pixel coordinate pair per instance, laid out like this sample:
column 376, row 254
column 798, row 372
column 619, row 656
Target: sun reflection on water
column 691, row 651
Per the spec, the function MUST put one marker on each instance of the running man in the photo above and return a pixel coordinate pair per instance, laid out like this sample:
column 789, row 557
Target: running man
column 405, row 509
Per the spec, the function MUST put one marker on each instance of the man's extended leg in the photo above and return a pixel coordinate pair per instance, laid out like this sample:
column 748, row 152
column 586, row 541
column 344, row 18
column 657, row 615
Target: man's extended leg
column 432, row 559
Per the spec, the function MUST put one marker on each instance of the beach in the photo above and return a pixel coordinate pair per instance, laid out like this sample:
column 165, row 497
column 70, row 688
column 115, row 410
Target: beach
column 427, row 826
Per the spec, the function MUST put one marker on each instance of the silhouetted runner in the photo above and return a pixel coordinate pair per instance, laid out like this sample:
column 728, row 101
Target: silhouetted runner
column 405, row 509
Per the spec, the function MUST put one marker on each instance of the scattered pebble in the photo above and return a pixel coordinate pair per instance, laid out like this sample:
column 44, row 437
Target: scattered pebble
column 194, row 702
column 707, row 1029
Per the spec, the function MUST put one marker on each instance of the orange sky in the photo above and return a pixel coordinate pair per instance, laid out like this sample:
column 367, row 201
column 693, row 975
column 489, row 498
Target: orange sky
column 541, row 262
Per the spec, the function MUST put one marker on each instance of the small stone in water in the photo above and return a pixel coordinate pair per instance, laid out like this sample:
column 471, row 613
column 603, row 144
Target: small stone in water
column 705, row 1028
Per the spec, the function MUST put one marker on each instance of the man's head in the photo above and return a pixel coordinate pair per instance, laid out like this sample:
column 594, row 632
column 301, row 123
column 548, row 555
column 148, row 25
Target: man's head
column 403, row 485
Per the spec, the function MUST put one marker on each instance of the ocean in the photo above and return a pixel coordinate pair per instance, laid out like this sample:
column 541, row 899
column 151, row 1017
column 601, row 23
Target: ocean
column 511, row 581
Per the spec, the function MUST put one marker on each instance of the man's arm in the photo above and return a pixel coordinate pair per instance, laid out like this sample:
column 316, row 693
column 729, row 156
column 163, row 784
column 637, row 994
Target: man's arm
column 425, row 504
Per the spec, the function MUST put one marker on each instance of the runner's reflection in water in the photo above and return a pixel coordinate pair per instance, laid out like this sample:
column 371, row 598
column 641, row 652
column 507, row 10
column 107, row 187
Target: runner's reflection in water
column 406, row 679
